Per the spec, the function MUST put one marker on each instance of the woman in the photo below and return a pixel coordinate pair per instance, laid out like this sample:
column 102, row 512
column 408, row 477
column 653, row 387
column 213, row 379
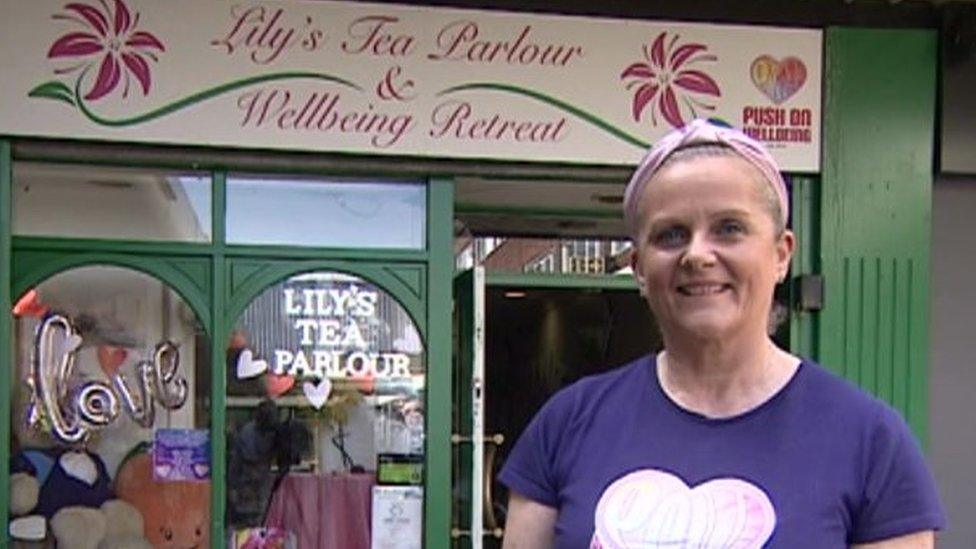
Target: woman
column 722, row 439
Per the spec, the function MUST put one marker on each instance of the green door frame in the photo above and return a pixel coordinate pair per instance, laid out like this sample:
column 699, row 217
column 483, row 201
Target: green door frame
column 204, row 275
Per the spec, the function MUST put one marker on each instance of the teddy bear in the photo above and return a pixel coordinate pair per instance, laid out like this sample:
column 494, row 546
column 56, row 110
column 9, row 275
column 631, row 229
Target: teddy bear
column 176, row 514
column 67, row 493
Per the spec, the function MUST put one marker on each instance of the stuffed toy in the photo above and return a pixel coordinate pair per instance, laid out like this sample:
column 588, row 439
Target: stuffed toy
column 176, row 514
column 69, row 491
column 65, row 478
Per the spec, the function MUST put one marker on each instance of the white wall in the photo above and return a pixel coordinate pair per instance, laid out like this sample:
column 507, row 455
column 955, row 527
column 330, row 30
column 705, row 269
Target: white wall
column 952, row 384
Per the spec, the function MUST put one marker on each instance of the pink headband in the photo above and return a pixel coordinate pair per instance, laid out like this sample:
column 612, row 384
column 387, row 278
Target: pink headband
column 695, row 133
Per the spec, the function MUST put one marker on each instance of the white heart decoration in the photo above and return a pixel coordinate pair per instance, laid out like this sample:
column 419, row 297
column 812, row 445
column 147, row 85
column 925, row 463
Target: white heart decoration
column 248, row 367
column 317, row 393
column 30, row 528
column 79, row 466
column 652, row 508
column 163, row 471
column 71, row 344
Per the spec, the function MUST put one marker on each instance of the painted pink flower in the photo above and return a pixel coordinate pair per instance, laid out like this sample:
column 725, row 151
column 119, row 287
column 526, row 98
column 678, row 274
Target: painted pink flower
column 110, row 37
column 667, row 84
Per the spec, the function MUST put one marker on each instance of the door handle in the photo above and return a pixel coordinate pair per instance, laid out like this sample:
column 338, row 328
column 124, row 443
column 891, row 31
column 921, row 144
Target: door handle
column 488, row 507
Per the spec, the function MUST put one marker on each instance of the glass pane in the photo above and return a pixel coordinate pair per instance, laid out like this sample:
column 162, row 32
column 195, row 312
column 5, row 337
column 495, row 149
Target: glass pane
column 110, row 401
column 325, row 415
column 81, row 201
column 326, row 213
column 544, row 255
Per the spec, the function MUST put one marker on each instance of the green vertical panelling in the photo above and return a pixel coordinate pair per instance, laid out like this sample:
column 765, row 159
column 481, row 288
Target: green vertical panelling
column 440, row 239
column 875, row 204
column 804, row 213
column 6, row 329
column 218, row 365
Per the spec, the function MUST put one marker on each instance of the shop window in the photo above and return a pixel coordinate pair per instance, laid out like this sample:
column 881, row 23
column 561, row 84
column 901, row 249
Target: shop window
column 83, row 201
column 325, row 416
column 109, row 412
column 325, row 213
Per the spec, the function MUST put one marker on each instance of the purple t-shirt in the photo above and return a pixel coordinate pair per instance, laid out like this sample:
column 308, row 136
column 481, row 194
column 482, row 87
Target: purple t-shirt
column 821, row 464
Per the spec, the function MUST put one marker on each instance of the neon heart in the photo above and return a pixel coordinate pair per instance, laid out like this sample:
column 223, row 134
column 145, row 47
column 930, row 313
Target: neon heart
column 80, row 466
column 778, row 80
column 247, row 367
column 652, row 508
column 111, row 359
column 317, row 393
column 278, row 385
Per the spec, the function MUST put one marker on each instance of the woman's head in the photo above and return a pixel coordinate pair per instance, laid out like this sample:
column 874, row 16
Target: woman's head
column 701, row 138
column 709, row 236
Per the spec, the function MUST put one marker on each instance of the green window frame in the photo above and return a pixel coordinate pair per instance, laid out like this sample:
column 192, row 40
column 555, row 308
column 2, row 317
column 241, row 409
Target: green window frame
column 218, row 280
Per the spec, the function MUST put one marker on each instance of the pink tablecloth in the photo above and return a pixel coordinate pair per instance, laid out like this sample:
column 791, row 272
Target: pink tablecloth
column 324, row 512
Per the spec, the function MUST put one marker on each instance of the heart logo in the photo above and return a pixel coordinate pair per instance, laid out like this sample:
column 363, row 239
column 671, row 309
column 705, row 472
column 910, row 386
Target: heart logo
column 778, row 80
column 317, row 393
column 652, row 508
column 111, row 359
column 247, row 367
column 278, row 385
column 79, row 466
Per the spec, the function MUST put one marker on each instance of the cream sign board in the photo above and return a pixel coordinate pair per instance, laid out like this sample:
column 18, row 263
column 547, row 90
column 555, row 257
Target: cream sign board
column 403, row 80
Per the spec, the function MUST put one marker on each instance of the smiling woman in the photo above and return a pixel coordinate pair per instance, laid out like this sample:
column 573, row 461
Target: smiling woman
column 700, row 444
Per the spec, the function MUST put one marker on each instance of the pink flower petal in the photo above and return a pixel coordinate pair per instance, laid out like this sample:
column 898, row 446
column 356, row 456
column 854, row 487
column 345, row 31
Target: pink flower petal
column 669, row 108
column 638, row 70
column 682, row 54
column 75, row 44
column 143, row 39
column 698, row 82
column 642, row 97
column 139, row 68
column 657, row 51
column 108, row 77
column 123, row 19
column 94, row 17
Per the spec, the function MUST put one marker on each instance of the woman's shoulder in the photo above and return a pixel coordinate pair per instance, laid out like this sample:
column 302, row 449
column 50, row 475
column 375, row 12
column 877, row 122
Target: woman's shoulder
column 834, row 396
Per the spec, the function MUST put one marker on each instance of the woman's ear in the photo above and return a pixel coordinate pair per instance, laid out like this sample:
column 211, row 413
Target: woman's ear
column 636, row 269
column 785, row 246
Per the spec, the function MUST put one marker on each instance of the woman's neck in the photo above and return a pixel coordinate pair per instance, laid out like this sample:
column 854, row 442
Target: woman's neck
column 724, row 378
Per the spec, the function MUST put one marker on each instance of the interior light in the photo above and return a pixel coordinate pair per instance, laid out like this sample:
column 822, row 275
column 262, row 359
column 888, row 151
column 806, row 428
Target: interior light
column 514, row 294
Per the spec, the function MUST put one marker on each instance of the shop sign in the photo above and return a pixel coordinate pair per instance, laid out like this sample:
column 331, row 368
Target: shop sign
column 329, row 324
column 403, row 80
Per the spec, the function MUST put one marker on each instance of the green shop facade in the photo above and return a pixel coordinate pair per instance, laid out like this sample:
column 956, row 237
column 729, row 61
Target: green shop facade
column 229, row 237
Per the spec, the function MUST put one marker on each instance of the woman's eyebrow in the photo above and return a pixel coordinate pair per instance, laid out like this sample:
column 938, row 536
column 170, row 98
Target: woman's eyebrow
column 732, row 212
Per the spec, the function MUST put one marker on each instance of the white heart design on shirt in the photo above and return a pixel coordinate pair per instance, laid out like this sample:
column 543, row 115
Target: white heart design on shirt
column 317, row 393
column 651, row 508
column 248, row 367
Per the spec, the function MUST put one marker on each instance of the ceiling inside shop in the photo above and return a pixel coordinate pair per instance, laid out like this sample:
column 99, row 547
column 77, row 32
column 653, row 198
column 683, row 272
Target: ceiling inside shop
column 508, row 207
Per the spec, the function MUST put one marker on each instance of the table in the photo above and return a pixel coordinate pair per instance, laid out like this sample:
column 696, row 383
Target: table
column 325, row 511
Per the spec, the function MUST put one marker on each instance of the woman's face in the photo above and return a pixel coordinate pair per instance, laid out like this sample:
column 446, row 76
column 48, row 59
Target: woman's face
column 707, row 253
